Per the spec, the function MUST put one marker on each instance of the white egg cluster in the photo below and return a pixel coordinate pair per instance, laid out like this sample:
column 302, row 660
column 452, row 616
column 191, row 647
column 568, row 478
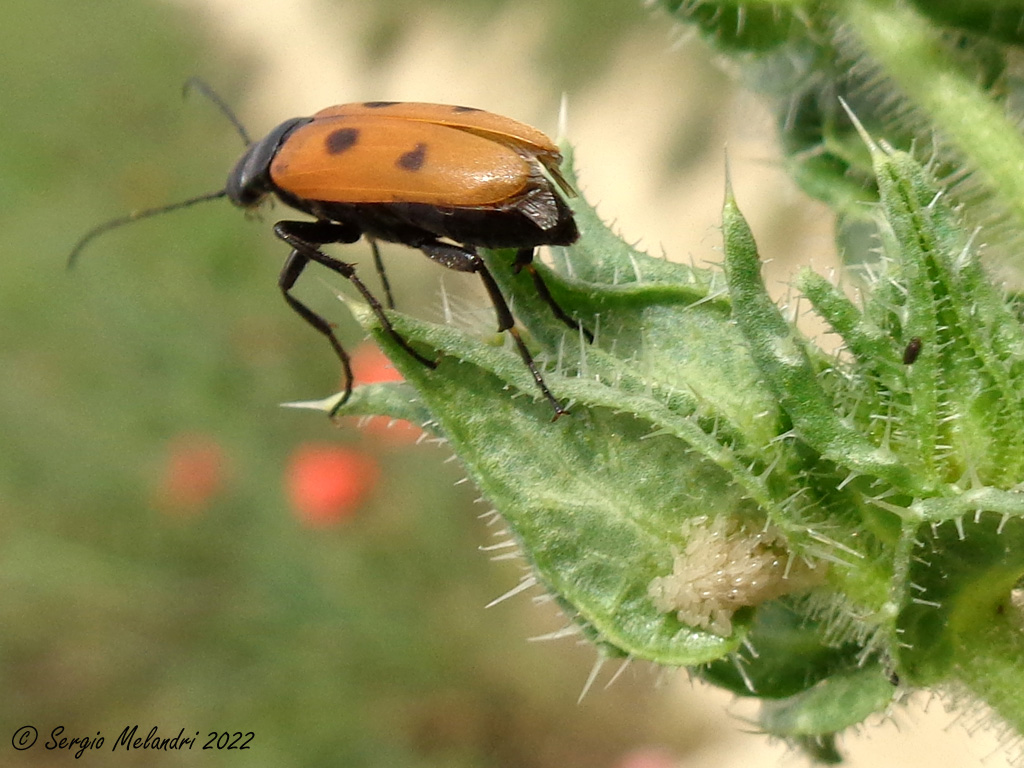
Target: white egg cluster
column 726, row 566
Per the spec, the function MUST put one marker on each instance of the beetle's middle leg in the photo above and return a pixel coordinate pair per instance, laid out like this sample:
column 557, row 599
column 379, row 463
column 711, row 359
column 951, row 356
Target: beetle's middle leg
column 464, row 259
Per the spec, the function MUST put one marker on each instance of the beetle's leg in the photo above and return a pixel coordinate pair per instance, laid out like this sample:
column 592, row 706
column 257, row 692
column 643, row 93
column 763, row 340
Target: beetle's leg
column 324, row 232
column 294, row 233
column 389, row 299
column 466, row 260
column 312, row 233
column 524, row 258
column 304, row 236
column 293, row 266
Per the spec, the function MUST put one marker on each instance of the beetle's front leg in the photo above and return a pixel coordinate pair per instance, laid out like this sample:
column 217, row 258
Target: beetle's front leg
column 305, row 237
column 293, row 266
column 302, row 234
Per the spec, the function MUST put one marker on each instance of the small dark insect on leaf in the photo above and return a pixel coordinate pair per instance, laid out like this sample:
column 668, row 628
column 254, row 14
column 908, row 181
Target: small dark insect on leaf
column 912, row 351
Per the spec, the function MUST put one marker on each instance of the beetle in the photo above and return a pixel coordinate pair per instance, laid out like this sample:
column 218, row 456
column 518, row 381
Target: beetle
column 913, row 349
column 439, row 178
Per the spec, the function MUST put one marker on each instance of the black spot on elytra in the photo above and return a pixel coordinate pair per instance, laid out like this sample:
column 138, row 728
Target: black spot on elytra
column 341, row 140
column 378, row 104
column 413, row 159
column 466, row 109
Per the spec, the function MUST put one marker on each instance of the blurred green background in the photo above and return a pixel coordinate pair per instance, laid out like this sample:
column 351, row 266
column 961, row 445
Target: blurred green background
column 157, row 567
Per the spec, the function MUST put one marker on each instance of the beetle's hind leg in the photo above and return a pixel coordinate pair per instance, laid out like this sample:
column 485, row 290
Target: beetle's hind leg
column 465, row 260
column 524, row 260
column 305, row 237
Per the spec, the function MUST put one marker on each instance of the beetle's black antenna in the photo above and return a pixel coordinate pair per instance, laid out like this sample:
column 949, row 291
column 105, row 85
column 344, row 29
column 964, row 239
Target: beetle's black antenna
column 145, row 213
column 192, row 84
column 198, row 84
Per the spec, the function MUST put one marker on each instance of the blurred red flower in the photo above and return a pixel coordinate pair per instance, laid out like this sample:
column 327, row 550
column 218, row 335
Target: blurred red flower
column 371, row 366
column 648, row 757
column 194, row 472
column 327, row 483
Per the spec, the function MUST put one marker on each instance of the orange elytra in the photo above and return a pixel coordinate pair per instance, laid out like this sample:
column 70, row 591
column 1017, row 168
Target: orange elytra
column 442, row 179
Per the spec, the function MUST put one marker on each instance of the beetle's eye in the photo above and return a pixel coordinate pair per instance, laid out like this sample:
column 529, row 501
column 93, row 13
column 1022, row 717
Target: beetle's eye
column 245, row 189
column 249, row 196
column 246, row 183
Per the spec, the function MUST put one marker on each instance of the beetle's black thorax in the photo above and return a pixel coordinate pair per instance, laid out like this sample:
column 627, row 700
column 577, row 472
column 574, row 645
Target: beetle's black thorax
column 249, row 181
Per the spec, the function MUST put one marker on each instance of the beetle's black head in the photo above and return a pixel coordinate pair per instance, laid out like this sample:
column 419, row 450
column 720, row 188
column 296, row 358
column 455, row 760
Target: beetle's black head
column 249, row 181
